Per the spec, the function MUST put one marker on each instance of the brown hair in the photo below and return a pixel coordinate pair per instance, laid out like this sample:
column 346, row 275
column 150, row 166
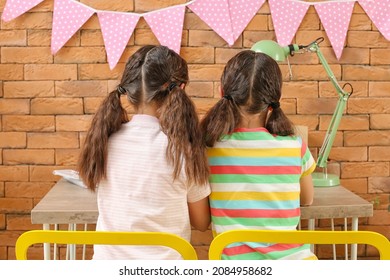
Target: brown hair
column 152, row 74
column 253, row 82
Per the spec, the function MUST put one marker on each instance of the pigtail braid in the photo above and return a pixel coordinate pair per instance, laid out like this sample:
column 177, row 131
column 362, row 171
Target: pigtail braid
column 279, row 124
column 179, row 121
column 93, row 157
column 222, row 119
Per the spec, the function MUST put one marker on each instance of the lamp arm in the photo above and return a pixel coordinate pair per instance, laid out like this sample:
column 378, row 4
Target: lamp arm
column 338, row 113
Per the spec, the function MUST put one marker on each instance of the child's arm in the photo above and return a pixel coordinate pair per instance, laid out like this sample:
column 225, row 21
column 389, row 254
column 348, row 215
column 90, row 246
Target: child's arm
column 200, row 214
column 307, row 190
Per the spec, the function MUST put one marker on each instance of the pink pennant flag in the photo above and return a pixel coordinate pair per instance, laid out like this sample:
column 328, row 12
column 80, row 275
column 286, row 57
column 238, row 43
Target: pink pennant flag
column 167, row 25
column 335, row 17
column 68, row 17
column 117, row 29
column 216, row 15
column 287, row 16
column 15, row 8
column 379, row 13
column 241, row 13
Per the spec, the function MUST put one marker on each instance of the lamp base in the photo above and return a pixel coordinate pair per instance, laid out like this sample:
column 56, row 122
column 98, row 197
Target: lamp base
column 321, row 179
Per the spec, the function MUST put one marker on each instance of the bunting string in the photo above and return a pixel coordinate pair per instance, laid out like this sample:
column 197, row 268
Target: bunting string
column 228, row 18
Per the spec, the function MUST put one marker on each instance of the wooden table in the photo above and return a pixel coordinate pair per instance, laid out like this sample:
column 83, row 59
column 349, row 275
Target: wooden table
column 67, row 203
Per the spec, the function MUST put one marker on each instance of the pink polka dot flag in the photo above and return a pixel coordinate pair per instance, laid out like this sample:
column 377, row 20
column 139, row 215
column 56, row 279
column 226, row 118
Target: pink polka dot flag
column 215, row 14
column 335, row 18
column 117, row 29
column 15, row 8
column 167, row 26
column 241, row 13
column 68, row 17
column 379, row 13
column 287, row 16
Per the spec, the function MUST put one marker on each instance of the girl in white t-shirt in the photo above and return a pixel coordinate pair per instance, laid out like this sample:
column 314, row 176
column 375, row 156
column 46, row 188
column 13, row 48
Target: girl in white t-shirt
column 150, row 173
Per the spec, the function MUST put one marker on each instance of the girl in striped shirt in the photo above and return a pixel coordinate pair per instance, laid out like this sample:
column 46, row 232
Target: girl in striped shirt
column 260, row 171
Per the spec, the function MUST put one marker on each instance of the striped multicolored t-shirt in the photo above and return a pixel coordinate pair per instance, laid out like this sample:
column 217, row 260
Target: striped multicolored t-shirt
column 255, row 185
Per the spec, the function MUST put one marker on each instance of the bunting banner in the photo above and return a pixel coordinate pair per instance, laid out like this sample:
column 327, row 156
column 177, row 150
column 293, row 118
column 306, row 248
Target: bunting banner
column 228, row 18
column 335, row 18
column 287, row 16
column 241, row 13
column 15, row 8
column 116, row 39
column 167, row 26
column 215, row 14
column 68, row 17
column 379, row 12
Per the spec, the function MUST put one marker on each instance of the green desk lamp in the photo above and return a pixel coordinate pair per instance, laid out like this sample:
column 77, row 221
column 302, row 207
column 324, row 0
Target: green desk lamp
column 279, row 53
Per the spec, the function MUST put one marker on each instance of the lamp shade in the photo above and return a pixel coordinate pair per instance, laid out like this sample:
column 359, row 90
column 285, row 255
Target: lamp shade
column 271, row 48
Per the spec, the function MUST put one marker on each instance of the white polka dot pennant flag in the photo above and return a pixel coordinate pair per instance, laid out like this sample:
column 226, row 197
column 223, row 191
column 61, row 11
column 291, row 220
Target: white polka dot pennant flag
column 287, row 16
column 68, row 17
column 379, row 12
column 167, row 26
column 15, row 8
column 241, row 13
column 335, row 17
column 215, row 14
column 117, row 29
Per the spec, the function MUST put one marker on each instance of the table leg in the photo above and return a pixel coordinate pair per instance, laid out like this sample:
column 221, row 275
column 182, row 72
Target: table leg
column 311, row 226
column 355, row 225
column 46, row 246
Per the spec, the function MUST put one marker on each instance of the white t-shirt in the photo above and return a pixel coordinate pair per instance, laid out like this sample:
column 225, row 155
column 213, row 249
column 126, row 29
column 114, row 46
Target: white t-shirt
column 139, row 193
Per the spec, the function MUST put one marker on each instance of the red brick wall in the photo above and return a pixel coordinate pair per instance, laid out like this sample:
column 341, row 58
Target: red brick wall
column 46, row 102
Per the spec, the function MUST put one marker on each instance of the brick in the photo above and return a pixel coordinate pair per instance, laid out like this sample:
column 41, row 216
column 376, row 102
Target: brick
column 14, row 173
column 359, row 88
column 100, row 72
column 30, row 21
column 310, row 121
column 91, row 38
column 81, row 88
column 54, row 106
column 203, row 104
column 14, row 106
column 380, row 57
column 2, row 222
column 222, row 55
column 367, row 138
column 28, row 156
column 349, row 56
column 379, row 89
column 1, row 90
column 314, row 72
column 20, row 222
column 198, row 55
column 2, row 191
column 379, row 121
column 316, row 105
column 53, row 140
column 11, row 72
column 361, row 72
column 348, row 122
column 120, row 6
column 200, row 89
column 205, row 38
column 8, row 238
column 368, row 105
column 27, row 189
column 28, row 123
column 288, row 106
column 316, row 138
column 371, row 39
column 92, row 104
column 13, row 139
column 81, row 55
column 300, row 89
column 73, row 123
column 258, row 22
column 305, row 37
column 28, row 89
column 191, row 22
column 50, row 72
column 13, row 38
column 380, row 217
column 146, row 6
column 205, row 72
column 66, row 156
column 356, row 185
column 39, row 38
column 26, row 55
column 251, row 37
column 381, row 153
column 129, row 51
column 348, row 154
column 364, row 169
column 45, row 173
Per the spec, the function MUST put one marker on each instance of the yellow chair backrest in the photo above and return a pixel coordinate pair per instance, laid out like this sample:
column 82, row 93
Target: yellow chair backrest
column 301, row 236
column 103, row 238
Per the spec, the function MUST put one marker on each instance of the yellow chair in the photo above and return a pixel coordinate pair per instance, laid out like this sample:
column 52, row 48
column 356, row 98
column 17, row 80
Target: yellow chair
column 175, row 242
column 301, row 236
